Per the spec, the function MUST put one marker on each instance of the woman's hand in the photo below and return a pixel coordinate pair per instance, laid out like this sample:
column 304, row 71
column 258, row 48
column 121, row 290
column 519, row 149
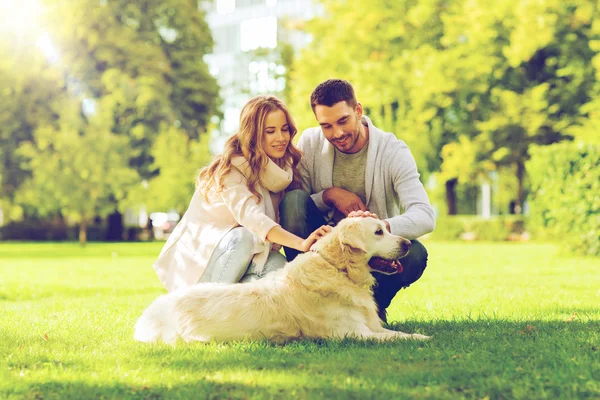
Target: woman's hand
column 314, row 237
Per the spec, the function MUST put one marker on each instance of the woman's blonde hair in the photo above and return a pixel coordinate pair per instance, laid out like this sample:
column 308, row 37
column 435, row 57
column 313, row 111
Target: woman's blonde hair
column 248, row 143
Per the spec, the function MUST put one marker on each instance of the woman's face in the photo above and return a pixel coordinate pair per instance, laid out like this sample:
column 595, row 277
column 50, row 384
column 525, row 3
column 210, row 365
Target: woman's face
column 276, row 134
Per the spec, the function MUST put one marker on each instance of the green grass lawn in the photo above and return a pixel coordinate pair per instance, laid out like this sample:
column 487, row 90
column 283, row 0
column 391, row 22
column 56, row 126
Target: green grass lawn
column 508, row 321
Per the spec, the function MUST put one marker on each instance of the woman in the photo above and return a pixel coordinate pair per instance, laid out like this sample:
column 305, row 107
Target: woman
column 230, row 231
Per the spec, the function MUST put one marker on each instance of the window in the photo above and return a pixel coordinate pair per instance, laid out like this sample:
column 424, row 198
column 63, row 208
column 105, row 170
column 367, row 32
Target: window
column 258, row 33
column 226, row 39
column 248, row 3
column 266, row 77
column 225, row 6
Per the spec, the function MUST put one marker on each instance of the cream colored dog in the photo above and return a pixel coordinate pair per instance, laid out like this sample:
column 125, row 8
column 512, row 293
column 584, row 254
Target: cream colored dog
column 325, row 293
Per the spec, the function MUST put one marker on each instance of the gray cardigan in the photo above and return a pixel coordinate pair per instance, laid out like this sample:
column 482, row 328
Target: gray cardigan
column 391, row 180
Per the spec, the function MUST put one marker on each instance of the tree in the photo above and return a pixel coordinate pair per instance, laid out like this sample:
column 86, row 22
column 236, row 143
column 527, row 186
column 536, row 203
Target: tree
column 547, row 75
column 114, row 72
column 79, row 170
column 386, row 60
column 500, row 75
column 142, row 64
column 185, row 39
column 27, row 90
column 174, row 186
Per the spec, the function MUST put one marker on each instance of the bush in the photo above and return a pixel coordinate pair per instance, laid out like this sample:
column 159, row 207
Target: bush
column 498, row 228
column 473, row 227
column 565, row 199
column 449, row 228
column 45, row 230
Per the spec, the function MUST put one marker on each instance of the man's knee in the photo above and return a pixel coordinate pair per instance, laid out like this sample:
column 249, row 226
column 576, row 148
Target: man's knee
column 413, row 265
column 293, row 211
column 418, row 258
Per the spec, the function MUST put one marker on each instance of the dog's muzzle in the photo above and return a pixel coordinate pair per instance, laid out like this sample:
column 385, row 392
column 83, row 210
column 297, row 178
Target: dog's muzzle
column 384, row 266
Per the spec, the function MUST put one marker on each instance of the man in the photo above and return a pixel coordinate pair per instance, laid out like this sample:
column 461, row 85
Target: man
column 350, row 167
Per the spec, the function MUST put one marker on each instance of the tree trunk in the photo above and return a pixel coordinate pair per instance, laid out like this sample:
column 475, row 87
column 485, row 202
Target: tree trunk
column 451, row 196
column 520, row 191
column 114, row 232
column 83, row 233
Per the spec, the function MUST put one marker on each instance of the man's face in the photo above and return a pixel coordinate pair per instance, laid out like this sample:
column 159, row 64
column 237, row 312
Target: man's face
column 341, row 126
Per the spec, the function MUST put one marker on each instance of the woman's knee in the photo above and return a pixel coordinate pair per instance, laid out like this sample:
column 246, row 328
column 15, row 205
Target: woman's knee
column 240, row 237
column 275, row 261
column 234, row 258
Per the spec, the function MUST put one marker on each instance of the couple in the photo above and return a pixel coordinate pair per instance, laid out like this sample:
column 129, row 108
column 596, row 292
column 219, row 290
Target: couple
column 263, row 193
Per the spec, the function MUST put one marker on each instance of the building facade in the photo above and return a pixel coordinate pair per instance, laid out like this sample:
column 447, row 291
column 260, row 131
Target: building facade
column 247, row 57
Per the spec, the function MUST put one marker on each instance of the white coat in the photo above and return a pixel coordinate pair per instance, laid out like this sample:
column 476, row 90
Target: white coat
column 187, row 252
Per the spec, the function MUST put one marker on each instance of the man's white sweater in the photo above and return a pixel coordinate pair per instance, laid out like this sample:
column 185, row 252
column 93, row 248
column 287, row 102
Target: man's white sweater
column 393, row 189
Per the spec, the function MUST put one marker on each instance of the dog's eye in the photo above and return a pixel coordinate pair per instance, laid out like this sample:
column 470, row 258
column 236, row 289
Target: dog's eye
column 379, row 231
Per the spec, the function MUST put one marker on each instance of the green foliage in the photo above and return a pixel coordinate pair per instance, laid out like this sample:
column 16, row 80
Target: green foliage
column 178, row 160
column 588, row 128
column 469, row 85
column 27, row 91
column 471, row 227
column 461, row 161
column 80, row 172
column 143, row 62
column 93, row 76
column 565, row 181
column 449, row 228
column 43, row 229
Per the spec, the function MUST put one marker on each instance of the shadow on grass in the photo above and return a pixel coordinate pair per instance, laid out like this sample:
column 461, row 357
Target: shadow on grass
column 581, row 327
column 485, row 343
column 200, row 389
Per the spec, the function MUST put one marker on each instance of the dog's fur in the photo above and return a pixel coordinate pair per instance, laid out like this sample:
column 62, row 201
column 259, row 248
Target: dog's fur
column 325, row 293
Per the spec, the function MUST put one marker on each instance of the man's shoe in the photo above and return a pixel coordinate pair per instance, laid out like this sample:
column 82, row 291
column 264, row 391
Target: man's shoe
column 382, row 315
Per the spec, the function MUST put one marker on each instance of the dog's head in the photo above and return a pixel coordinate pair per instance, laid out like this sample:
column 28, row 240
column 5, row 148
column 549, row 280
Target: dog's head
column 365, row 242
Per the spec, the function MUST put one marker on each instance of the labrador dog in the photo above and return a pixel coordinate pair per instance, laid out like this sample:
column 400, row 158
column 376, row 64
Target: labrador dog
column 324, row 293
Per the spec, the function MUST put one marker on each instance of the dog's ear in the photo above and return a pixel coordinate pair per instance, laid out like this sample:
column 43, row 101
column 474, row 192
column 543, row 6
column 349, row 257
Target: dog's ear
column 352, row 236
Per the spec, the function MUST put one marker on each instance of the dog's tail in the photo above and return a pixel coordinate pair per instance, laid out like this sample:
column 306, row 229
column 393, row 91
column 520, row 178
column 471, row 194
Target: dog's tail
column 158, row 321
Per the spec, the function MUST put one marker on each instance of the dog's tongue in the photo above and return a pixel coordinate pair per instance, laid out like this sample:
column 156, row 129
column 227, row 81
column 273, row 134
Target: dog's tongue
column 378, row 263
column 399, row 268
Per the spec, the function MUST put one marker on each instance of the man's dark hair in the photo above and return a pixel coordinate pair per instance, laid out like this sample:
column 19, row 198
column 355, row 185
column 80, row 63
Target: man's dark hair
column 333, row 91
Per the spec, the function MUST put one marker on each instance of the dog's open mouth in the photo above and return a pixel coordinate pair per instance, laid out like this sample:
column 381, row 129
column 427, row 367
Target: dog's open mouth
column 385, row 266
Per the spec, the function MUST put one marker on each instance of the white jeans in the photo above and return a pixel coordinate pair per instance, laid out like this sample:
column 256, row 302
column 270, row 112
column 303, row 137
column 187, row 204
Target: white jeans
column 231, row 259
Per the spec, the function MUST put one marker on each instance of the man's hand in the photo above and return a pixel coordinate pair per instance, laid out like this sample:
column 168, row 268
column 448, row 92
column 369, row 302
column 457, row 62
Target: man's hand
column 343, row 200
column 365, row 214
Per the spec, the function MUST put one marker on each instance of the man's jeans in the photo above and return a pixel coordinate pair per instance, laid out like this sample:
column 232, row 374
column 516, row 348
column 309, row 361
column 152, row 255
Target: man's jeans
column 299, row 214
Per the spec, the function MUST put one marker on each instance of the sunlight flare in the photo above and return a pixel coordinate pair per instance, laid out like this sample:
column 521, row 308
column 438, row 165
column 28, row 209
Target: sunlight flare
column 20, row 16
